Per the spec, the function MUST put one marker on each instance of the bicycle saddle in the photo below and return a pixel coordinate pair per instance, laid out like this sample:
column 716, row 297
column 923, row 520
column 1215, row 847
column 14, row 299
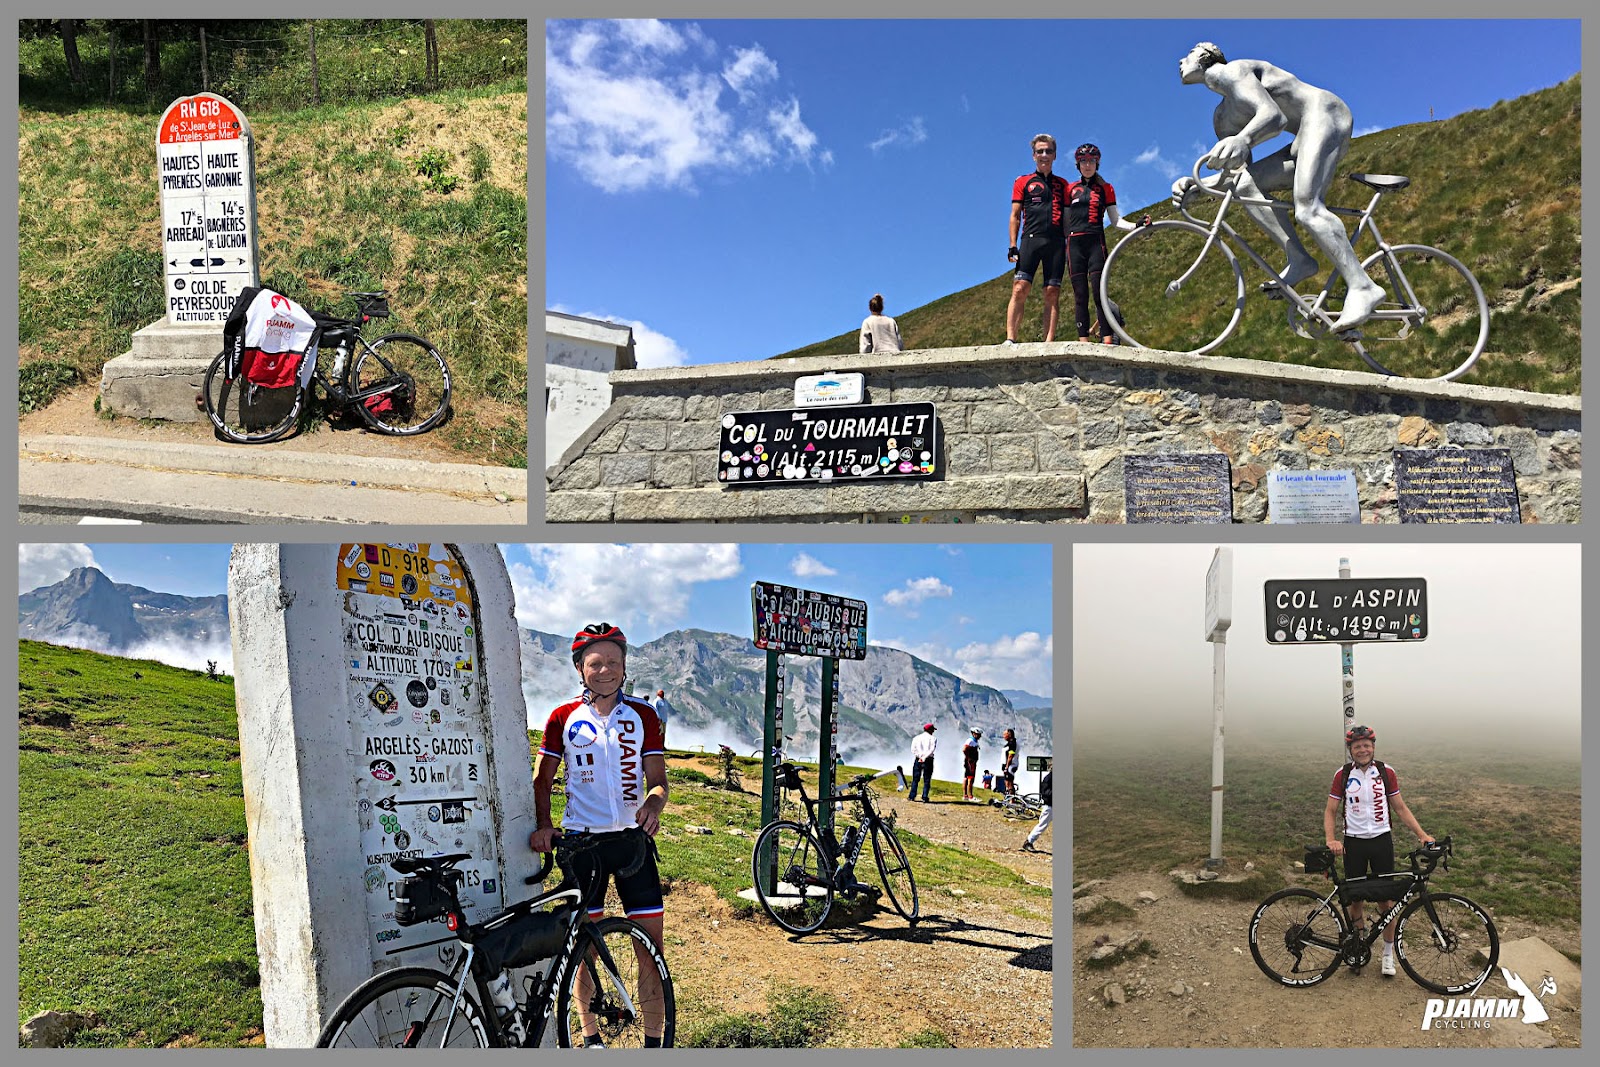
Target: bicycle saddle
column 423, row 863
column 1381, row 182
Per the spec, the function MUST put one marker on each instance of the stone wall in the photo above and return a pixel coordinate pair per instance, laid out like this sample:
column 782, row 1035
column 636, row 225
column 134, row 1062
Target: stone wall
column 1038, row 433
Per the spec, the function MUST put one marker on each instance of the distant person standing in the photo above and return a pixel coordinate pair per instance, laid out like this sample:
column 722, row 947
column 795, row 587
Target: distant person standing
column 1091, row 202
column 1038, row 209
column 1008, row 768
column 663, row 708
column 969, row 762
column 879, row 333
column 988, row 779
column 1044, row 814
column 922, row 761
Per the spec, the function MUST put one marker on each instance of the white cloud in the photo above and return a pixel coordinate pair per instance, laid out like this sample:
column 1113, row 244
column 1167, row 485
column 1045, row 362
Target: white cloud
column 915, row 591
column 39, row 565
column 1152, row 157
column 631, row 105
column 1011, row 661
column 1363, row 131
column 807, row 566
column 911, row 133
column 569, row 586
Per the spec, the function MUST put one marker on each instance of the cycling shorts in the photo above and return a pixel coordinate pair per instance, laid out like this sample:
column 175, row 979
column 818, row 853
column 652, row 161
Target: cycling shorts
column 640, row 891
column 1368, row 855
column 1049, row 251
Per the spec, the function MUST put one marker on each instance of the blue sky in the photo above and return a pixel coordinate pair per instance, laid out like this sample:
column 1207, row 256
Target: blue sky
column 735, row 189
column 982, row 611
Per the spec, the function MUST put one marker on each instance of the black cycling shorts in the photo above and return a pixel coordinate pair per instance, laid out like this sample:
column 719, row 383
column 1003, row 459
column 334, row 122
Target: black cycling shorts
column 640, row 891
column 1368, row 855
column 1049, row 251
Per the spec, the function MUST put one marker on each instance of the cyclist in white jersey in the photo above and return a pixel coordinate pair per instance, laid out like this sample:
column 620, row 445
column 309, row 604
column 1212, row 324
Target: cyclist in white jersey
column 616, row 779
column 1369, row 793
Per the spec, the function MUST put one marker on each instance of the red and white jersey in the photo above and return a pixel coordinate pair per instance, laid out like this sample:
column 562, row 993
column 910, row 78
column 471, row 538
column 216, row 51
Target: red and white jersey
column 1367, row 794
column 604, row 757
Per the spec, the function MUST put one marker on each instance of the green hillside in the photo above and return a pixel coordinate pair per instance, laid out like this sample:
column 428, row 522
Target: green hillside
column 385, row 185
column 1498, row 188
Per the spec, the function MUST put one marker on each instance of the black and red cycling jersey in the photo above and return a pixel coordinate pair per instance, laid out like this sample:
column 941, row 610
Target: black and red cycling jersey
column 1044, row 199
column 1086, row 205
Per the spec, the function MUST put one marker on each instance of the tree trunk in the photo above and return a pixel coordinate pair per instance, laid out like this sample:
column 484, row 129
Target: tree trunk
column 111, row 55
column 69, row 45
column 431, row 48
column 152, row 55
column 205, row 75
column 316, row 90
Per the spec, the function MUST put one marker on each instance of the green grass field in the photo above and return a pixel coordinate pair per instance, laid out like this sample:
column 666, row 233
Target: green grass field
column 1522, row 239
column 134, row 887
column 422, row 195
column 1515, row 818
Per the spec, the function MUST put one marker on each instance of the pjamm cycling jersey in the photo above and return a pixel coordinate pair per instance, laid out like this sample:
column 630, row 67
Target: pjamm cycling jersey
column 604, row 757
column 1367, row 794
column 1043, row 198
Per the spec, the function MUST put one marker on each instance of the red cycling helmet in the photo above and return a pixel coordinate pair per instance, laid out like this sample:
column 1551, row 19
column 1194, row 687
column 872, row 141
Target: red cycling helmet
column 1360, row 733
column 595, row 631
column 1087, row 151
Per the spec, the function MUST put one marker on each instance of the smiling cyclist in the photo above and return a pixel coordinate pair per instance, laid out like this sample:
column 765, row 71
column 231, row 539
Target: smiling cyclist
column 1368, row 791
column 616, row 780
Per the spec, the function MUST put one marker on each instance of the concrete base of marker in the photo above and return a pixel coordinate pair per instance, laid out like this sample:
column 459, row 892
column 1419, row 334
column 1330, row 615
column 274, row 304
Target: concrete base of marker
column 163, row 373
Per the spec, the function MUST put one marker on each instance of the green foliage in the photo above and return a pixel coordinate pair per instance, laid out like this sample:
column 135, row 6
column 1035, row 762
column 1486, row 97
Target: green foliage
column 477, row 162
column 796, row 1017
column 1522, row 240
column 39, row 382
column 929, row 1038
column 434, row 165
column 1107, row 911
column 686, row 774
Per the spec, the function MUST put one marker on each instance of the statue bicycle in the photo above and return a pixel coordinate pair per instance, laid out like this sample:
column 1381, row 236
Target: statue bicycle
column 1180, row 287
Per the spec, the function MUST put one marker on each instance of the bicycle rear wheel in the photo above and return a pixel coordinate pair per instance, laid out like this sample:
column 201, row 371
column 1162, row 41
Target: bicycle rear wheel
column 793, row 876
column 413, row 380
column 246, row 413
column 1016, row 807
column 1174, row 293
column 1448, row 322
column 895, row 869
column 408, row 1008
column 1446, row 943
column 617, row 987
column 1295, row 937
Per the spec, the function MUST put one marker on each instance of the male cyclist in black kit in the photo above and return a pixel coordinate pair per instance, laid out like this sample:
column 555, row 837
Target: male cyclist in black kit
column 1090, row 203
column 1038, row 203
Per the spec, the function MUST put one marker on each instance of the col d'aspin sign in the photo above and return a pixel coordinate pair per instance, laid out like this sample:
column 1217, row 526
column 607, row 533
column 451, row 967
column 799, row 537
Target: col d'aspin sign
column 205, row 158
column 840, row 444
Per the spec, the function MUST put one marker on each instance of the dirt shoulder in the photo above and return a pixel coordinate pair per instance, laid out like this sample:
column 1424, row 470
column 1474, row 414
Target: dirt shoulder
column 1203, row 989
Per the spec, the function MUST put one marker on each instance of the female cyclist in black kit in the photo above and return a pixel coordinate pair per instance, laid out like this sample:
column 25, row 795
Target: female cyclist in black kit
column 1090, row 202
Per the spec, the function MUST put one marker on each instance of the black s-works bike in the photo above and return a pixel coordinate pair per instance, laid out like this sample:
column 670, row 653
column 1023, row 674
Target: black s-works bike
column 608, row 978
column 1445, row 942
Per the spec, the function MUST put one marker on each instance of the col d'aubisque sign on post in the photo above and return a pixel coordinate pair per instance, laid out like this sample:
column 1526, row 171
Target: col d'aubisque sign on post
column 205, row 158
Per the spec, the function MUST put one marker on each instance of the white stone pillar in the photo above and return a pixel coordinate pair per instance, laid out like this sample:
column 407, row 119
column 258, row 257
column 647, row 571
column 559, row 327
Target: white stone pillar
column 380, row 713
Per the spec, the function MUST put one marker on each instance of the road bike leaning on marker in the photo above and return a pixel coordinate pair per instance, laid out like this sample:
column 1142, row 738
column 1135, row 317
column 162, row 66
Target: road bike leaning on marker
column 398, row 384
column 607, row 979
column 1445, row 942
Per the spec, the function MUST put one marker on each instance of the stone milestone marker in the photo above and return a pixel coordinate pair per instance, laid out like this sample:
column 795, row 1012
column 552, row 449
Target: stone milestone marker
column 205, row 169
column 1178, row 487
column 380, row 715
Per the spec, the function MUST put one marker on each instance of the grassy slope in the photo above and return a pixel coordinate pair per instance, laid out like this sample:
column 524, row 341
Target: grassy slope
column 340, row 207
column 1515, row 819
column 1498, row 188
column 134, row 892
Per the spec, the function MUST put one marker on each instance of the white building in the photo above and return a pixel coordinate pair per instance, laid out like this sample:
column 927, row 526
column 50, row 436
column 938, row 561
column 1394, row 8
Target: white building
column 579, row 354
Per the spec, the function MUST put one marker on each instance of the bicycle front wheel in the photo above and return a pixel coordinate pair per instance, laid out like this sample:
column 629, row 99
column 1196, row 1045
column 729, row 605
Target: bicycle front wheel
column 405, row 382
column 1446, row 943
column 246, row 413
column 1434, row 319
column 1015, row 807
column 616, row 988
column 1173, row 292
column 793, row 876
column 410, row 1007
column 895, row 869
column 1295, row 937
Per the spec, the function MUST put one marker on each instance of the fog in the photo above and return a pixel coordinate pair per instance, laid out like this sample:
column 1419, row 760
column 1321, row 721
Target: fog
column 173, row 651
column 1501, row 662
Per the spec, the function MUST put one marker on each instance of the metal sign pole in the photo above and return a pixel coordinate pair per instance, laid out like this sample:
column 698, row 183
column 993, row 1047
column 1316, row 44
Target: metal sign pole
column 1347, row 670
column 828, row 742
column 1219, row 683
column 771, row 737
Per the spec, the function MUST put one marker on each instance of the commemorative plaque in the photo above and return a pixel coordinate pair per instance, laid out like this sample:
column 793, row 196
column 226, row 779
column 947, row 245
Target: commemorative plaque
column 1183, row 487
column 1462, row 485
column 1346, row 610
column 804, row 623
column 1312, row 496
column 843, row 444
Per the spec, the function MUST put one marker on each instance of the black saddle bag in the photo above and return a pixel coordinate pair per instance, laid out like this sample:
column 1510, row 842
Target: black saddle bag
column 524, row 941
column 1377, row 887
